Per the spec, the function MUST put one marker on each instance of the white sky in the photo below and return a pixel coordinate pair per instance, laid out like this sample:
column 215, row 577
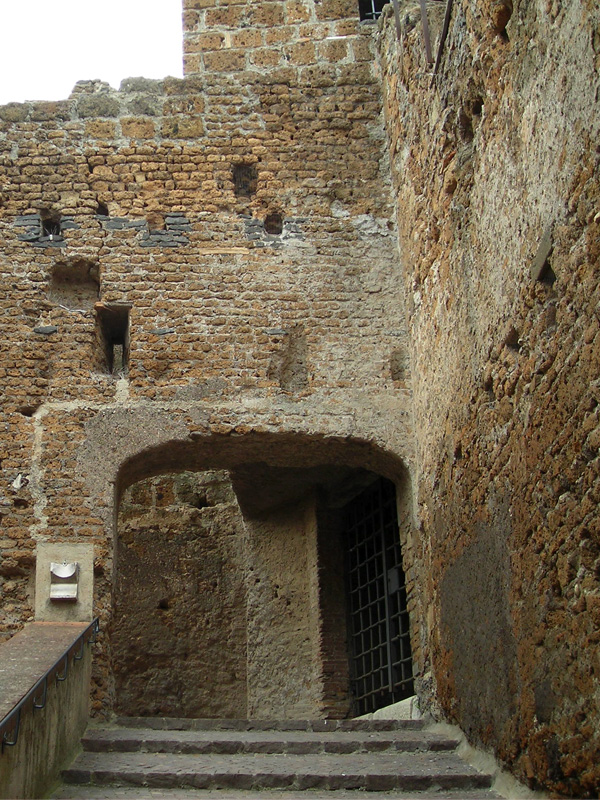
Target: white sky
column 46, row 46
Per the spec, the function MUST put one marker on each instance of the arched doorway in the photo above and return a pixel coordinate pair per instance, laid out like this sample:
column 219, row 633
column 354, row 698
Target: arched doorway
column 286, row 623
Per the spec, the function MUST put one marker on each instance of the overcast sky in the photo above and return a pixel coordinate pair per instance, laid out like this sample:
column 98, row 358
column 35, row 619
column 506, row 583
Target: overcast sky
column 46, row 46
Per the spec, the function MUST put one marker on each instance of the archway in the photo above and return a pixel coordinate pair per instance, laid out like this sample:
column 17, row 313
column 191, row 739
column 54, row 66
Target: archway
column 290, row 559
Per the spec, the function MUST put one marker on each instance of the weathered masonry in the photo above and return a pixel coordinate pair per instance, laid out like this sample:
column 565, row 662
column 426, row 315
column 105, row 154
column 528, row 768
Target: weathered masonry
column 303, row 350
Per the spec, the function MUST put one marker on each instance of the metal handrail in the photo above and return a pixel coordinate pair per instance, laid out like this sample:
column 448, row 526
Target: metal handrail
column 37, row 695
column 426, row 36
column 445, row 27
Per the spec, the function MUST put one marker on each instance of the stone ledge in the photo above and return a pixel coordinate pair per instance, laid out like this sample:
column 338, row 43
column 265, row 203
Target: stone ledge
column 29, row 654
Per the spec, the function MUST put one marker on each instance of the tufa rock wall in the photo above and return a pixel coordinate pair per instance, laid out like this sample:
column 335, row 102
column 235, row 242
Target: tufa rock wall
column 205, row 274
column 180, row 599
column 496, row 169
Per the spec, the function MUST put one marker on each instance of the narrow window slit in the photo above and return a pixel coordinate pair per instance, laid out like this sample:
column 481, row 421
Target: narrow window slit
column 113, row 336
column 50, row 224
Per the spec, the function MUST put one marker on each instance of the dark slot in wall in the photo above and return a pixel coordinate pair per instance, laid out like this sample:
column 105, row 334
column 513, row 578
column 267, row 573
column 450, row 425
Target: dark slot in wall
column 113, row 336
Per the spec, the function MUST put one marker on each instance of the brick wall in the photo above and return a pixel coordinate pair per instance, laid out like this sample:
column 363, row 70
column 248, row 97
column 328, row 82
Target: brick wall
column 233, row 37
column 225, row 269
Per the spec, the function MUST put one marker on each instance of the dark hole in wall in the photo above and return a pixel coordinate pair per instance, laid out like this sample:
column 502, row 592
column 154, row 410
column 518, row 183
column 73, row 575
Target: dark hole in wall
column 245, row 179
column 477, row 106
column 102, row 210
column 370, row 9
column 199, row 501
column 547, row 275
column 189, row 495
column 274, row 223
column 501, row 14
column 50, row 223
column 113, row 335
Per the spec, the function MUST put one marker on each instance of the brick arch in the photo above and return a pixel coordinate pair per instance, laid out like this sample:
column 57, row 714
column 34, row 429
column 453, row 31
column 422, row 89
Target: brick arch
column 163, row 444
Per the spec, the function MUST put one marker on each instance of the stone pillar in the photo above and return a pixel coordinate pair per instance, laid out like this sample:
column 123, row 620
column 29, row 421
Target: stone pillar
column 283, row 654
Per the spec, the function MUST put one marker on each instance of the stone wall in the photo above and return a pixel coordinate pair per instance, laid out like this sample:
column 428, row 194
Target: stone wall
column 179, row 625
column 204, row 274
column 225, row 265
column 495, row 165
column 232, row 37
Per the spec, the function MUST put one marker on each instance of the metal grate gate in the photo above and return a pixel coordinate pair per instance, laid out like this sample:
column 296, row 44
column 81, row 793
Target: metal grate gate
column 381, row 662
column 371, row 9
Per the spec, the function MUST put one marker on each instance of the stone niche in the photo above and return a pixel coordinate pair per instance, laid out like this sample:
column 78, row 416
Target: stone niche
column 179, row 631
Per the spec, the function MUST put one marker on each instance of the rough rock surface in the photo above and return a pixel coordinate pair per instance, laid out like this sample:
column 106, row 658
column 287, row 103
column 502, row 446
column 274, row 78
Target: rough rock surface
column 496, row 169
column 180, row 605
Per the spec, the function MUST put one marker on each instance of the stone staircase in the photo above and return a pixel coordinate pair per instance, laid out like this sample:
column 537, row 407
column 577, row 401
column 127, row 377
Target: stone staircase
column 239, row 760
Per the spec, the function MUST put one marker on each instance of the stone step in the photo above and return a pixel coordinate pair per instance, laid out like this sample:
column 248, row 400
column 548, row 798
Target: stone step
column 104, row 792
column 189, row 723
column 379, row 772
column 117, row 739
column 246, row 760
